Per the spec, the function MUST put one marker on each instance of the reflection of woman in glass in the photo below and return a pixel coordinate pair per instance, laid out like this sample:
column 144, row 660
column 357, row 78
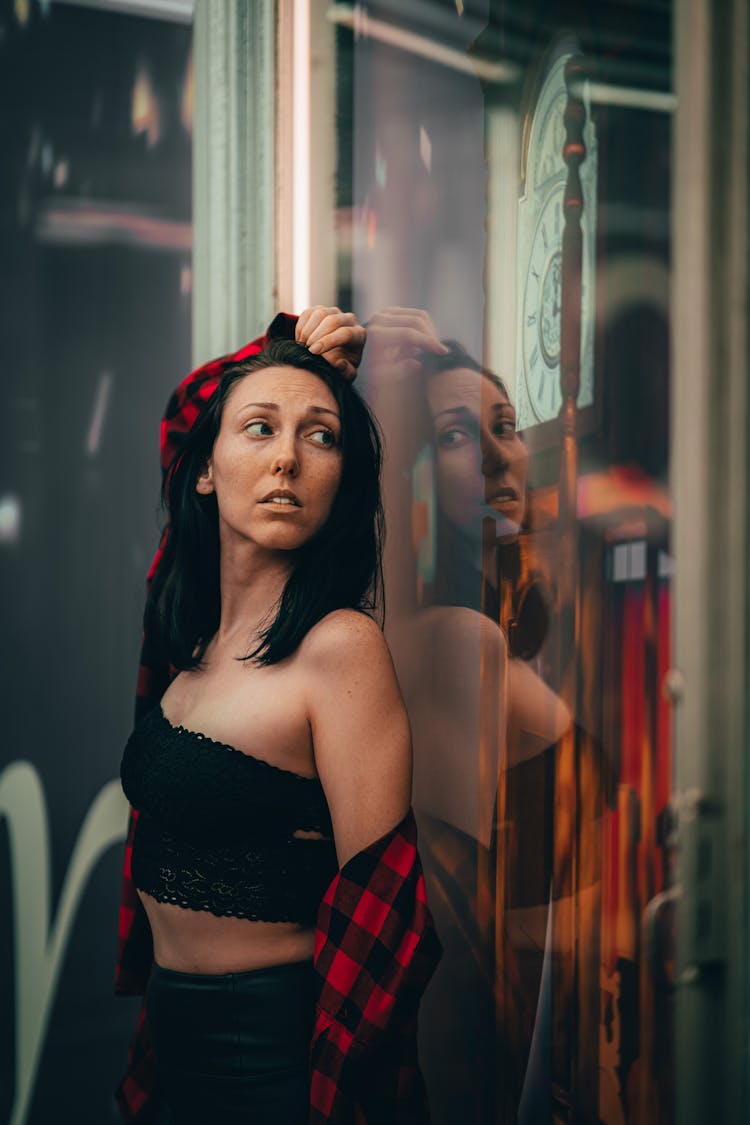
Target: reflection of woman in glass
column 279, row 753
column 464, row 649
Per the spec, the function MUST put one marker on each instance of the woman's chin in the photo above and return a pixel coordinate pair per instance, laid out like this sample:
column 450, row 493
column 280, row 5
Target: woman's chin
column 507, row 522
column 277, row 540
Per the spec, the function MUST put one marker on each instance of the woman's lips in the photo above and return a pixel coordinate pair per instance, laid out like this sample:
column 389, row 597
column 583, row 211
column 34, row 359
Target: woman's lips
column 283, row 497
column 504, row 496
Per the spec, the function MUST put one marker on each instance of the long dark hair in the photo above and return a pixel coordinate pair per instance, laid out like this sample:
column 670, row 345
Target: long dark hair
column 340, row 567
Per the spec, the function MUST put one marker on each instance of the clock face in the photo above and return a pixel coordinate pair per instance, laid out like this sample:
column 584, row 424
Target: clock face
column 540, row 315
column 540, row 231
column 550, row 139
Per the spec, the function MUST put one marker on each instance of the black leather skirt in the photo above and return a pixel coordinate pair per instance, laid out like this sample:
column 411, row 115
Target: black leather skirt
column 233, row 1047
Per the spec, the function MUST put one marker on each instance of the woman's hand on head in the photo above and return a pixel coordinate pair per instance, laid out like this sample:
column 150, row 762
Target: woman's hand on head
column 360, row 729
column 335, row 335
column 396, row 337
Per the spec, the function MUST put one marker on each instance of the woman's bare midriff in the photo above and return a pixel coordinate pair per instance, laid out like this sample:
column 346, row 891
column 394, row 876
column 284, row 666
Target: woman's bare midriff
column 195, row 941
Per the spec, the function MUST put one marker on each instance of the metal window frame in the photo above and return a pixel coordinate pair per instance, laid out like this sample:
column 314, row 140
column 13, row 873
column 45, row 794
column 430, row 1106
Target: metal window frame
column 710, row 474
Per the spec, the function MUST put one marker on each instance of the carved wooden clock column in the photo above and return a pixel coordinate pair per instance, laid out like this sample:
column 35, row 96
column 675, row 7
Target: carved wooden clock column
column 567, row 1088
column 556, row 397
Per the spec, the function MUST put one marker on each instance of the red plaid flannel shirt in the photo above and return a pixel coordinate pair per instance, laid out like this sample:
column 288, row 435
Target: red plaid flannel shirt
column 375, row 943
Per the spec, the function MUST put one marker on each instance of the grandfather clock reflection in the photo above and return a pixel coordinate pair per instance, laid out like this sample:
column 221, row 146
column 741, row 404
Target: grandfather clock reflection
column 606, row 1015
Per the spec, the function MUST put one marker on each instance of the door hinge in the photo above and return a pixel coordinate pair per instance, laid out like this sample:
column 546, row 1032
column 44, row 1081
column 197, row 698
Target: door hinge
column 698, row 824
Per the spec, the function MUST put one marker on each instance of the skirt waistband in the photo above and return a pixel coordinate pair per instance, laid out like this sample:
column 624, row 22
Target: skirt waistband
column 271, row 973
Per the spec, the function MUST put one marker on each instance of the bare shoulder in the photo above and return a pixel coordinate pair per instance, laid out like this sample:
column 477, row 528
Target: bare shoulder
column 348, row 671
column 458, row 624
column 345, row 638
column 455, row 637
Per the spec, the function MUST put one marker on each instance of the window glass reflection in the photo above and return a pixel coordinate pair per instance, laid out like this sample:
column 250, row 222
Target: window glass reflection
column 517, row 209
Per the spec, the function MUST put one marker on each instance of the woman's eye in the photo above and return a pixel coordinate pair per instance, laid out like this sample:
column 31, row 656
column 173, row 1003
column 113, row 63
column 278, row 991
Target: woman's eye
column 454, row 436
column 258, row 429
column 323, row 437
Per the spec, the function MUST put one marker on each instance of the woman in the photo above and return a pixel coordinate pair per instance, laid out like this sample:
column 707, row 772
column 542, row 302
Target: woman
column 467, row 628
column 269, row 780
column 464, row 533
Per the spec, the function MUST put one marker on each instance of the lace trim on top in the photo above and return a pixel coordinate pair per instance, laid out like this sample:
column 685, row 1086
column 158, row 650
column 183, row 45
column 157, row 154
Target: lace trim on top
column 216, row 826
column 178, row 728
column 269, row 884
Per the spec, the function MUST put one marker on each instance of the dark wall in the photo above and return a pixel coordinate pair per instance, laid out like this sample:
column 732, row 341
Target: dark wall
column 95, row 151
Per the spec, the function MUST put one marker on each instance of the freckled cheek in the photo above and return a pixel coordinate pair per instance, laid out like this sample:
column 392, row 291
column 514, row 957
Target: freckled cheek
column 236, row 475
column 328, row 486
column 235, row 483
column 319, row 476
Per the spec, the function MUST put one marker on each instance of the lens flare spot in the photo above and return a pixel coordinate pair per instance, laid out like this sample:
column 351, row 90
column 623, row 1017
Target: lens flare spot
column 10, row 519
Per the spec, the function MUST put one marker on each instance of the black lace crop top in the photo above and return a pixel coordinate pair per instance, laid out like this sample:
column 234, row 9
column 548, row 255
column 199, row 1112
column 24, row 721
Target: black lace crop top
column 216, row 827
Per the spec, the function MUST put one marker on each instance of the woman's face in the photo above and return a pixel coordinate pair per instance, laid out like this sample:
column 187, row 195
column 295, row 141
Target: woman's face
column 482, row 463
column 275, row 467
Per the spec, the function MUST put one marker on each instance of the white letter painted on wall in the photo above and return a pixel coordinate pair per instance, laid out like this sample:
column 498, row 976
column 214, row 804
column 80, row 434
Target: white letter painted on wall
column 39, row 945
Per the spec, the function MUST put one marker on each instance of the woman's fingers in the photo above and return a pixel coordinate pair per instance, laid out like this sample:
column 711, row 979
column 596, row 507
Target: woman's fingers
column 301, row 325
column 340, row 358
column 344, row 367
column 310, row 320
column 396, row 334
column 395, row 315
column 328, row 324
column 406, row 337
column 411, row 328
column 335, row 335
column 348, row 336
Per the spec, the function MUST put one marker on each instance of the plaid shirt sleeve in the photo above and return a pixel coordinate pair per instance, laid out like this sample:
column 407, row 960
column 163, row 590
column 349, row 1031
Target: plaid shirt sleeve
column 135, row 951
column 375, row 951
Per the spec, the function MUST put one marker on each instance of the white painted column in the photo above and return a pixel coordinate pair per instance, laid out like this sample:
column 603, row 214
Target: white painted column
column 233, row 173
column 306, row 154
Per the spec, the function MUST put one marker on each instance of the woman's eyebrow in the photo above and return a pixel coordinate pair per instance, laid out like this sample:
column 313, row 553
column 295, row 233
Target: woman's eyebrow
column 462, row 410
column 324, row 410
column 275, row 406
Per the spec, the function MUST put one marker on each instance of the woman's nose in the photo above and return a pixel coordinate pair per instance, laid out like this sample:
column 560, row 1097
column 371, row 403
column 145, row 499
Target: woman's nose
column 285, row 461
column 495, row 455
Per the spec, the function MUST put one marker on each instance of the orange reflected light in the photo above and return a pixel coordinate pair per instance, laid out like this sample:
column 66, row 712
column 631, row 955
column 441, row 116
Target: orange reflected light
column 186, row 107
column 144, row 114
column 60, row 175
column 425, row 148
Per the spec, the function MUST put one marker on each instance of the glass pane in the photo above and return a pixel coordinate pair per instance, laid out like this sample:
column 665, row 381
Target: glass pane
column 504, row 174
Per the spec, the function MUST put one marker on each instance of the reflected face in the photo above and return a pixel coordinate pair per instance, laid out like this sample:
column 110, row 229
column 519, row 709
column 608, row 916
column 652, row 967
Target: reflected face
column 482, row 463
column 275, row 467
